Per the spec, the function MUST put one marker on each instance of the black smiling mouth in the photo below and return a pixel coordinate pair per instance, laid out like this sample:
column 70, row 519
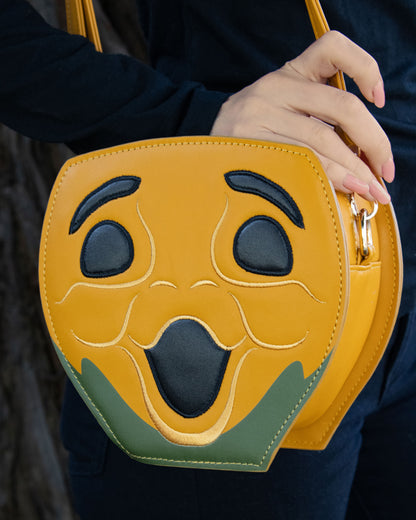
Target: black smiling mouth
column 188, row 367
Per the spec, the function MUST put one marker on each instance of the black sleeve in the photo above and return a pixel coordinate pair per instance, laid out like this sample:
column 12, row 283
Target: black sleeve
column 56, row 87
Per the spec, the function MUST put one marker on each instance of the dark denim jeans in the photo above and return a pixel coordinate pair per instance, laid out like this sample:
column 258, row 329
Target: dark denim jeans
column 368, row 471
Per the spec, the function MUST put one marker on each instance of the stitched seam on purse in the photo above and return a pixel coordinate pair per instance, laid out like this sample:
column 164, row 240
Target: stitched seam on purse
column 333, row 330
column 369, row 365
column 328, row 348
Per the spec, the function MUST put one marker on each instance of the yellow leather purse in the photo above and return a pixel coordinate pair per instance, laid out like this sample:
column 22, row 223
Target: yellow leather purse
column 207, row 305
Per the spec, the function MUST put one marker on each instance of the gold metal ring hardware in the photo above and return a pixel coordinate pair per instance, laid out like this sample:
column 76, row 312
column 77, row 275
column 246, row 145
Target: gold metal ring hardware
column 363, row 219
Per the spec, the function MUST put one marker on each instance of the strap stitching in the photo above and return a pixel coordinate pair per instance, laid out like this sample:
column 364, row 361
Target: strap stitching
column 370, row 363
column 230, row 143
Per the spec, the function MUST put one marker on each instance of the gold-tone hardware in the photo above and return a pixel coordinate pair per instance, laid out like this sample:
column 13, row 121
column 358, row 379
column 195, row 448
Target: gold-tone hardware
column 363, row 219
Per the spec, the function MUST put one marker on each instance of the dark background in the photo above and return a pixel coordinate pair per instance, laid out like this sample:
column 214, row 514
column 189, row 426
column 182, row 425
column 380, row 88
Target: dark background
column 33, row 478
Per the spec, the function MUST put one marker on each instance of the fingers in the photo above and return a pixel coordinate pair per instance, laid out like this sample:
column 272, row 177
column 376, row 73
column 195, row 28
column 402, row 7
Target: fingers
column 253, row 116
column 345, row 110
column 346, row 171
column 334, row 52
column 348, row 183
column 295, row 105
column 340, row 177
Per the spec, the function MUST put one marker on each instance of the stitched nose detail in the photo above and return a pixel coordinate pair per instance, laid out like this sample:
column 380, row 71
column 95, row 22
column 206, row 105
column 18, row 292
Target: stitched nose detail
column 188, row 367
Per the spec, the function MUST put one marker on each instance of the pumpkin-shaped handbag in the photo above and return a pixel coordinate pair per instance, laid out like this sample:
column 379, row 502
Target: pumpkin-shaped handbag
column 213, row 299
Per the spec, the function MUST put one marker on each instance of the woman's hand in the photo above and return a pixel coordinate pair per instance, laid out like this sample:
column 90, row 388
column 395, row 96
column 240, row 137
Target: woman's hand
column 294, row 105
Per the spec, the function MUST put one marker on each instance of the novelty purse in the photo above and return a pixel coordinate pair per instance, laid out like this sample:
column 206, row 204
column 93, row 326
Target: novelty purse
column 212, row 299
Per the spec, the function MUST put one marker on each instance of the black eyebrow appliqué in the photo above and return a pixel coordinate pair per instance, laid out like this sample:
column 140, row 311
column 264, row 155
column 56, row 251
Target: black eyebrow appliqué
column 110, row 190
column 246, row 181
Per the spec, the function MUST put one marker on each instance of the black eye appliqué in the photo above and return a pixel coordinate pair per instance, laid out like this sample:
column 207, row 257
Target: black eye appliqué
column 262, row 246
column 107, row 250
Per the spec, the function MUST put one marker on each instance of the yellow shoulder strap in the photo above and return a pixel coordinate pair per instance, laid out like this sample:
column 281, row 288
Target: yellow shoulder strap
column 317, row 18
column 80, row 19
column 320, row 26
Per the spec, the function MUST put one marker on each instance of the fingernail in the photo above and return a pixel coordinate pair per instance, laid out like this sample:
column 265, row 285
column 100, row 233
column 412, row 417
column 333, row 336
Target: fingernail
column 379, row 96
column 356, row 185
column 387, row 170
column 379, row 193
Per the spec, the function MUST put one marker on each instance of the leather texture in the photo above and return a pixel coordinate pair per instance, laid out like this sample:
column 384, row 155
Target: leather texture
column 207, row 297
column 80, row 18
column 182, row 220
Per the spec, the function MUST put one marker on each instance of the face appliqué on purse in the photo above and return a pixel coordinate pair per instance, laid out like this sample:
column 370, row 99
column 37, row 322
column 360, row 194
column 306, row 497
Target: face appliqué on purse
column 194, row 292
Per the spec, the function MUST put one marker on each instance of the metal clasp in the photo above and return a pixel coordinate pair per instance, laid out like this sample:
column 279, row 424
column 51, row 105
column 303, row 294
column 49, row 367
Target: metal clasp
column 363, row 219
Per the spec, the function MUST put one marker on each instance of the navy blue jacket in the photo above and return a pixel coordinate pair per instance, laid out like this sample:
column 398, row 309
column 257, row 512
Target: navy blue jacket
column 55, row 87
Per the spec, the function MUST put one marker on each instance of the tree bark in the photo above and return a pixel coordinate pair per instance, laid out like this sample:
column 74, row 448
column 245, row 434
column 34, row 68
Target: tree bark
column 33, row 465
